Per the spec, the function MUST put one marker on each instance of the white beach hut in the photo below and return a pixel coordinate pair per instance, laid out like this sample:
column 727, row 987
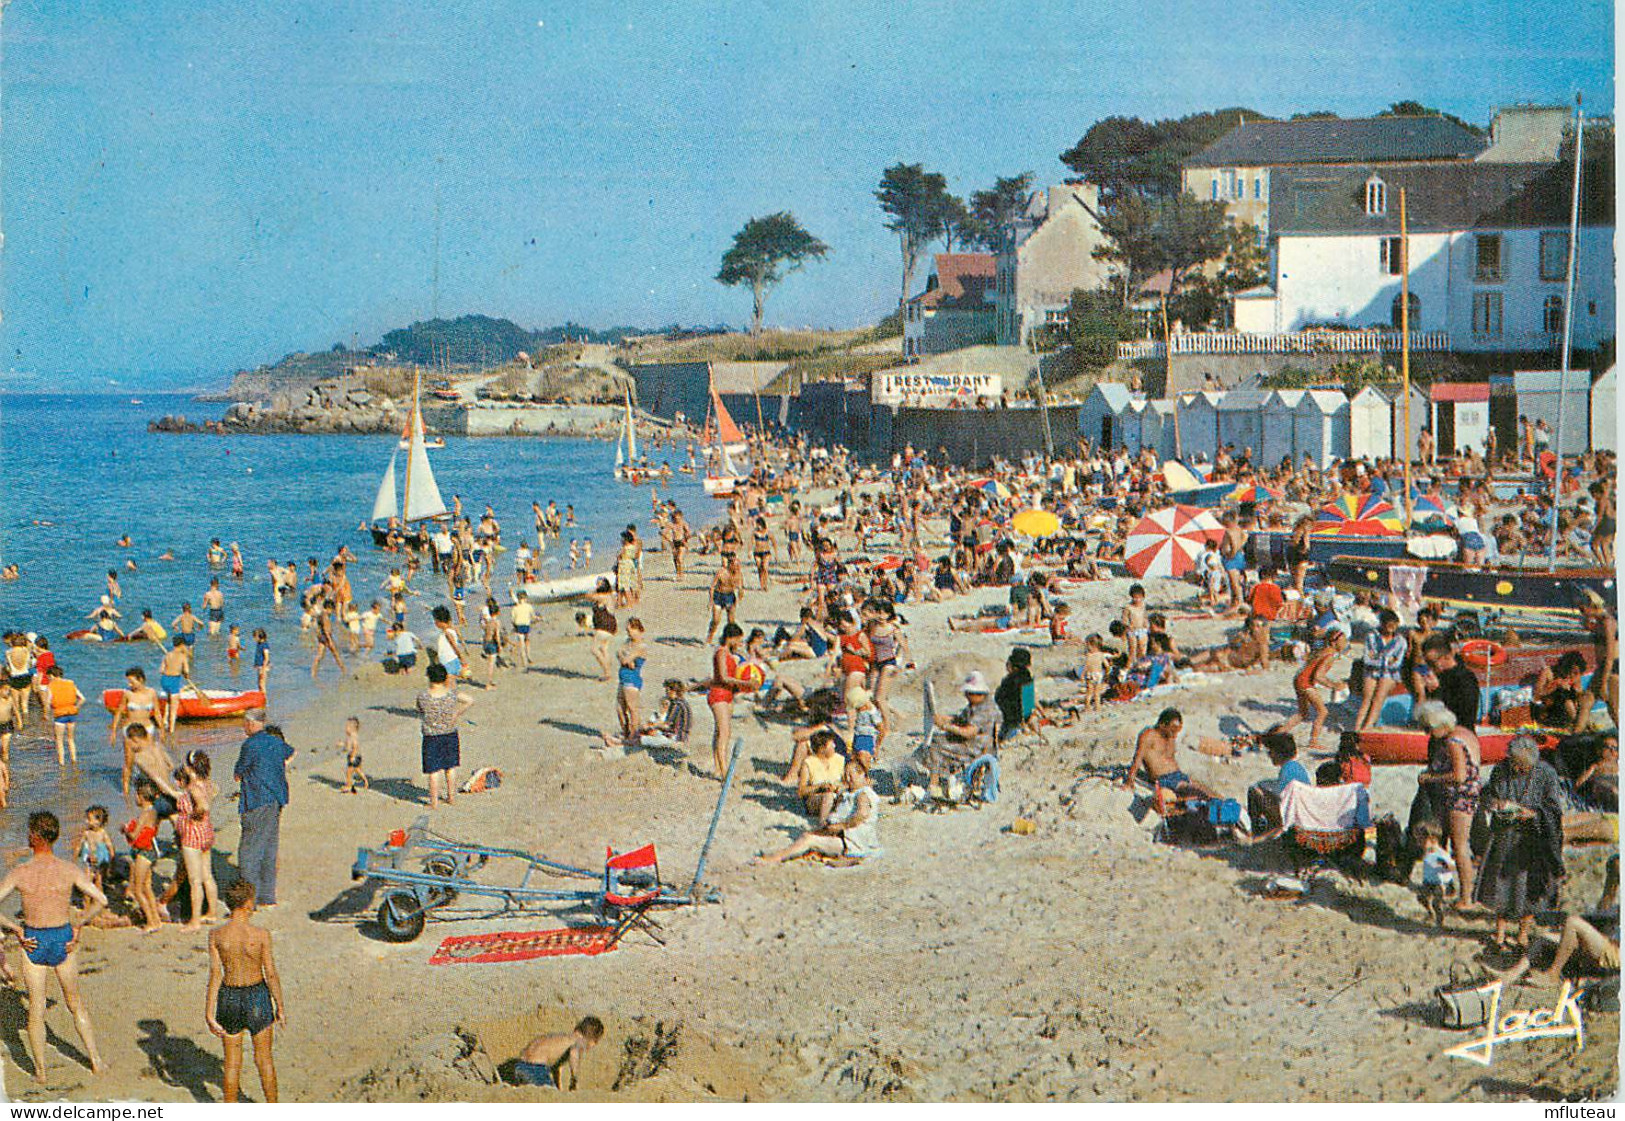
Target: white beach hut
column 1101, row 413
column 1198, row 425
column 1320, row 427
column 1604, row 431
column 1371, row 425
column 1241, row 419
column 1461, row 416
column 1280, row 409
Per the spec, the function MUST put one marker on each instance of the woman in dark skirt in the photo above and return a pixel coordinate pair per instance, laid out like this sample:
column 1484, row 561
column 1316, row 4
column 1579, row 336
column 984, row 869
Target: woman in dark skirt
column 440, row 707
column 1523, row 866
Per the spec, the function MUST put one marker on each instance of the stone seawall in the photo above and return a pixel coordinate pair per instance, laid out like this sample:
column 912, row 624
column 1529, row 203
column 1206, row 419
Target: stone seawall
column 364, row 414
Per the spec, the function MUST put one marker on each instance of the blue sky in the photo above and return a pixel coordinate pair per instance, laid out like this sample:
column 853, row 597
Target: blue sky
column 191, row 186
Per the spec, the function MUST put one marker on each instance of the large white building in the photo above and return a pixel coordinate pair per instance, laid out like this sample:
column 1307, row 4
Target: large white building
column 1487, row 253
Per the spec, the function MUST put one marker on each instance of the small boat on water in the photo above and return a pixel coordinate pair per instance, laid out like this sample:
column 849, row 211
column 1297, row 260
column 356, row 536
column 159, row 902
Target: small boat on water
column 564, row 587
column 722, row 478
column 421, row 499
column 1505, row 587
column 201, row 704
column 626, row 450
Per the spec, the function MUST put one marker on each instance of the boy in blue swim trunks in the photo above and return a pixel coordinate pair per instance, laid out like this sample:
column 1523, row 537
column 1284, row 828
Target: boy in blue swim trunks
column 49, row 933
column 539, row 1062
column 245, row 993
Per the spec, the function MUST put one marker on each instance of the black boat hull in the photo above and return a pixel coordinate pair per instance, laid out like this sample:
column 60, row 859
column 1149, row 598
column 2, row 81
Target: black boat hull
column 1508, row 589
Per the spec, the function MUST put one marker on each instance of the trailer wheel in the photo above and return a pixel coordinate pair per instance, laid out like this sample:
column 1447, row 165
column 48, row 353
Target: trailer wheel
column 401, row 916
column 441, row 895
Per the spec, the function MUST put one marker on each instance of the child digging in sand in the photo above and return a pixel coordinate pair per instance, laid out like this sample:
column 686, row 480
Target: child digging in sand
column 539, row 1062
column 351, row 746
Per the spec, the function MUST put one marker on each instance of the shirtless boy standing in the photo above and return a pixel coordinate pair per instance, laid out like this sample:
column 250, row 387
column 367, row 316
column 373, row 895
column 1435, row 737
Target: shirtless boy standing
column 245, row 993
column 49, row 934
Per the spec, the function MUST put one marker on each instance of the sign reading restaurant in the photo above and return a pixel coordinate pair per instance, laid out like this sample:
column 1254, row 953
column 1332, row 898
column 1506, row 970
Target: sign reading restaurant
column 912, row 388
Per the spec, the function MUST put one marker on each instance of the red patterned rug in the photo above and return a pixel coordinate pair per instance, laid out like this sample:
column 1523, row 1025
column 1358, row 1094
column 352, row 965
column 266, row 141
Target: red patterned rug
column 522, row 945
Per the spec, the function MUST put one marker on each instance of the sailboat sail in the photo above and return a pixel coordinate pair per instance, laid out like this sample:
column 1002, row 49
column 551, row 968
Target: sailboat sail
column 422, row 495
column 631, row 435
column 727, row 431
column 383, row 507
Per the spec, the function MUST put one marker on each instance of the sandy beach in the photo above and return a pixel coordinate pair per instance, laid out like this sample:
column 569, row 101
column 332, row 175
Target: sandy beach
column 1083, row 961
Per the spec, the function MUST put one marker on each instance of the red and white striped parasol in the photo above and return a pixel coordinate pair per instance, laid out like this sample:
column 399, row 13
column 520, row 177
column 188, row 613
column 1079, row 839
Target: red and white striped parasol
column 1167, row 542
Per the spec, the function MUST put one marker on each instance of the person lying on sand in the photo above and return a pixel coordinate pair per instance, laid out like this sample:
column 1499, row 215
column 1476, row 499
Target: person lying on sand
column 1249, row 650
column 542, row 1057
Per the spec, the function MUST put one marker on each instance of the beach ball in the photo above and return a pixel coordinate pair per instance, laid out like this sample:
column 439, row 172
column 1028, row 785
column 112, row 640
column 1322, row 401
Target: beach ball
column 752, row 673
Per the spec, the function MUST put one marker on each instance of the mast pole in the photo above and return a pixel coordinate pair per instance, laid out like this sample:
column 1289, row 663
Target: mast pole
column 1568, row 328
column 1405, row 342
column 412, row 435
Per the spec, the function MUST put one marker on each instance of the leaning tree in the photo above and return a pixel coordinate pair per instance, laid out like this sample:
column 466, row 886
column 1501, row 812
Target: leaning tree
column 764, row 252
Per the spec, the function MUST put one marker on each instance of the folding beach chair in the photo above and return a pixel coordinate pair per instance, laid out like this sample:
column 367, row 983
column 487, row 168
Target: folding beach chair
column 1325, row 825
column 631, row 887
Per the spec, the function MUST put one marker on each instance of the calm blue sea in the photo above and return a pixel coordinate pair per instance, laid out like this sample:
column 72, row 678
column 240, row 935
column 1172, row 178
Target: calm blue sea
column 87, row 468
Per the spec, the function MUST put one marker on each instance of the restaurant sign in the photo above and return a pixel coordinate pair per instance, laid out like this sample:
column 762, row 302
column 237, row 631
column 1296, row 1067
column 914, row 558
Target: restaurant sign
column 908, row 387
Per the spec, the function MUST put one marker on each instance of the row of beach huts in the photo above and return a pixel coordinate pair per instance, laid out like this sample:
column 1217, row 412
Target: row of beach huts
column 1323, row 425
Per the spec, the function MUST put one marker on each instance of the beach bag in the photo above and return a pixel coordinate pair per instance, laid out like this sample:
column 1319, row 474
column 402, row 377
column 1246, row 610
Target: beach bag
column 1462, row 1005
column 486, row 778
column 1395, row 858
column 1601, row 994
column 1223, row 811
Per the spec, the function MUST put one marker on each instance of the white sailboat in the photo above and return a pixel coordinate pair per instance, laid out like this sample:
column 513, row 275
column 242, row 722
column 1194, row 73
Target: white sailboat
column 626, row 448
column 724, row 477
column 417, row 418
column 421, row 498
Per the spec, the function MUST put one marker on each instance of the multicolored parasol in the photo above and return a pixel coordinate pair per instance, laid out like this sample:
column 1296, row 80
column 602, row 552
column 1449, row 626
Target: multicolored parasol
column 1255, row 493
column 1359, row 515
column 1167, row 542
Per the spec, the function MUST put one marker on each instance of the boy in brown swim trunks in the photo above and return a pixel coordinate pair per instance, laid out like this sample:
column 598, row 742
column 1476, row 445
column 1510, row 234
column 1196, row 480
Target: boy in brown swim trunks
column 245, row 993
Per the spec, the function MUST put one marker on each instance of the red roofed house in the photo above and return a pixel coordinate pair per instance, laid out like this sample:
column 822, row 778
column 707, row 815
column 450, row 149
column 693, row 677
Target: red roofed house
column 1461, row 416
column 956, row 309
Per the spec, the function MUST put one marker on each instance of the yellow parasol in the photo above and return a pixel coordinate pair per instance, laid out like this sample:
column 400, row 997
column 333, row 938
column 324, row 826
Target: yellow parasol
column 1036, row 523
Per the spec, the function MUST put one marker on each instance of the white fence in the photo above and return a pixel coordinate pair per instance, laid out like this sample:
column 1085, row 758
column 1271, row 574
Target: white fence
column 1288, row 342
